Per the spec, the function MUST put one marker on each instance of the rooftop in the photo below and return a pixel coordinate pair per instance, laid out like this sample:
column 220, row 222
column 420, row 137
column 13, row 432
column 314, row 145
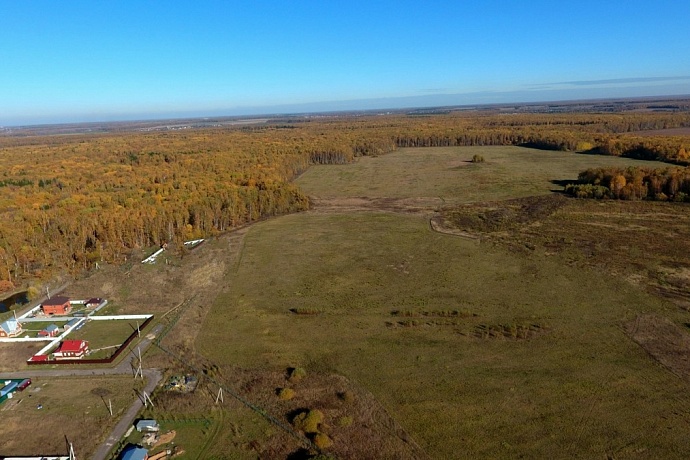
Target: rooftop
column 72, row 346
column 57, row 300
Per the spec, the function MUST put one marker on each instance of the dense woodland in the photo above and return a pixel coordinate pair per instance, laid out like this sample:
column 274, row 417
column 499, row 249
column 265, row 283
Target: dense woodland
column 72, row 200
column 633, row 183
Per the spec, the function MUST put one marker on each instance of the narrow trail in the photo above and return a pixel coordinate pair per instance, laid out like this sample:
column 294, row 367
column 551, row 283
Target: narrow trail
column 427, row 208
column 419, row 206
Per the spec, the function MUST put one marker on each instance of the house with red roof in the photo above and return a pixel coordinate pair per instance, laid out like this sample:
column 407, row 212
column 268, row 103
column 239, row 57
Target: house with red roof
column 72, row 349
column 57, row 306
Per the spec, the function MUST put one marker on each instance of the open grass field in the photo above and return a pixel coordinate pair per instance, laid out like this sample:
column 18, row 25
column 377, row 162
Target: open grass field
column 446, row 175
column 75, row 408
column 578, row 387
column 477, row 350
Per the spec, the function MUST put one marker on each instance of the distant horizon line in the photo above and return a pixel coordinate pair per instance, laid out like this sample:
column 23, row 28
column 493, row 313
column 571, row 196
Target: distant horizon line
column 254, row 112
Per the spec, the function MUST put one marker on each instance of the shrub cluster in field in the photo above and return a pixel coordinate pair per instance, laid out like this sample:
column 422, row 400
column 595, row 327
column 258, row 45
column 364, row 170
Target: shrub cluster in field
column 296, row 374
column 311, row 422
column 286, row 394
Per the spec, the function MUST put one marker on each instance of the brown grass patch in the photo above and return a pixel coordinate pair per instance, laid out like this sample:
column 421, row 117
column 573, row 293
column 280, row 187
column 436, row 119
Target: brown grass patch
column 665, row 341
column 512, row 331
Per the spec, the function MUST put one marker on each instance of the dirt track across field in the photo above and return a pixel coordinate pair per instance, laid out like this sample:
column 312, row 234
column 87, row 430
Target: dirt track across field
column 423, row 206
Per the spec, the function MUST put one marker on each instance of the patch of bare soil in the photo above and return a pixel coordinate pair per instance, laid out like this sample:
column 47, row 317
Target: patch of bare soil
column 13, row 356
column 664, row 341
column 438, row 225
column 165, row 438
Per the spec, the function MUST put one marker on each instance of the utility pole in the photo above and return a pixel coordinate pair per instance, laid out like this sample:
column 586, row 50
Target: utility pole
column 139, row 371
column 220, row 395
column 146, row 398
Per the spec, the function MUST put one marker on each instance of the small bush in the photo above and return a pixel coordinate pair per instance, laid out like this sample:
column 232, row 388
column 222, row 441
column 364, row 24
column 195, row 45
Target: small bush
column 32, row 293
column 477, row 159
column 286, row 394
column 296, row 374
column 322, row 441
column 345, row 421
column 308, row 421
column 346, row 396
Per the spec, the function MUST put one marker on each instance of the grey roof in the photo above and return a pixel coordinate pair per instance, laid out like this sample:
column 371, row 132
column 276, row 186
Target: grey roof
column 146, row 423
column 9, row 326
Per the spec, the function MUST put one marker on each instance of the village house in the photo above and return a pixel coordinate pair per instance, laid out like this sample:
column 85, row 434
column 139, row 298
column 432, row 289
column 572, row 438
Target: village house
column 71, row 323
column 50, row 331
column 57, row 306
column 147, row 425
column 71, row 349
column 93, row 302
column 10, row 328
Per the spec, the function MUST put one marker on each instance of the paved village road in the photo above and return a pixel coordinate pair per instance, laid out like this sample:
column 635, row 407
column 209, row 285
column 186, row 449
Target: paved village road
column 126, row 366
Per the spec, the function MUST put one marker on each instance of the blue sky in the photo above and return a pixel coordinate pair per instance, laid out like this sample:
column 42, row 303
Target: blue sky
column 108, row 60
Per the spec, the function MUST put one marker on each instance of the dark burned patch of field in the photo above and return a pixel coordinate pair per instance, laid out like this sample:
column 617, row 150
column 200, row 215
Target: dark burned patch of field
column 646, row 242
